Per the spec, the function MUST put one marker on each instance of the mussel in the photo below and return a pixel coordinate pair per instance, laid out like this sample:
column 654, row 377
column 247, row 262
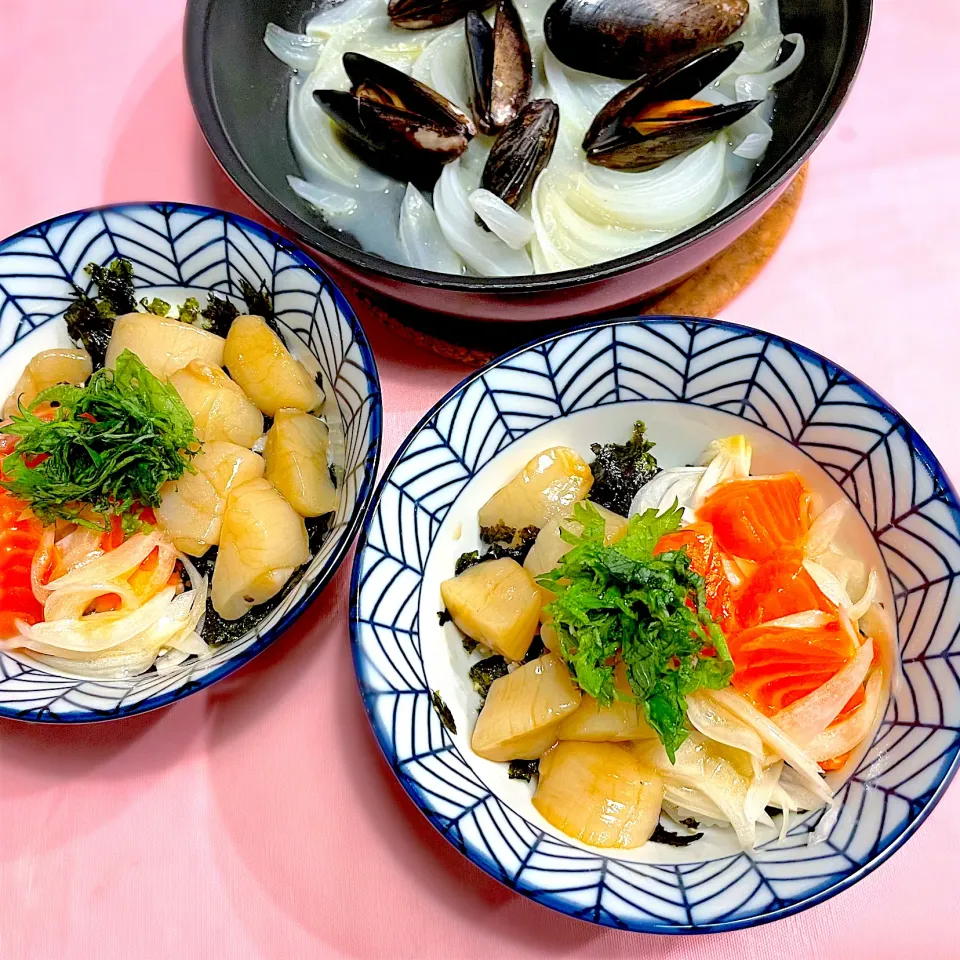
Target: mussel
column 423, row 14
column 405, row 124
column 501, row 66
column 629, row 38
column 654, row 118
column 521, row 152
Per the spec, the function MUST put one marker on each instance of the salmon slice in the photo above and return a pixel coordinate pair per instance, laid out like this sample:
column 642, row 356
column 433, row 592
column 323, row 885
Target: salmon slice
column 19, row 539
column 774, row 666
column 754, row 517
column 698, row 541
column 778, row 588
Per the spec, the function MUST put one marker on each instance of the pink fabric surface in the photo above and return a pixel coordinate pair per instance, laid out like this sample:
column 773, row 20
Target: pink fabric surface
column 257, row 819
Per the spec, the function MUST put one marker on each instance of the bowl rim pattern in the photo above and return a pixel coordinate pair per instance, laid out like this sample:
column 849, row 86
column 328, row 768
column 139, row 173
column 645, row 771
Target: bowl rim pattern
column 475, row 853
column 365, row 488
column 196, row 27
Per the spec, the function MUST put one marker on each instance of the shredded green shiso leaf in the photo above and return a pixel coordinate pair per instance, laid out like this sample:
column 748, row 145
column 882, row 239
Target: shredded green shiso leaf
column 110, row 446
column 622, row 603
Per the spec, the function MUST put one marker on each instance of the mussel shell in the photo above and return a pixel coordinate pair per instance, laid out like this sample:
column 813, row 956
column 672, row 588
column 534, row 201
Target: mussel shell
column 681, row 81
column 633, row 152
column 415, row 97
column 521, row 152
column 512, row 72
column 479, row 36
column 405, row 145
column 423, row 14
column 628, row 38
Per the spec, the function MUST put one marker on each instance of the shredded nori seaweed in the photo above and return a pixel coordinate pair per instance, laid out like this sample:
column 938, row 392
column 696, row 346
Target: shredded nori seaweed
column 219, row 313
column 469, row 644
column 621, row 469
column 516, row 548
column 523, row 769
column 216, row 630
column 90, row 319
column 662, row 835
column 443, row 712
column 484, row 672
column 536, row 649
column 444, row 616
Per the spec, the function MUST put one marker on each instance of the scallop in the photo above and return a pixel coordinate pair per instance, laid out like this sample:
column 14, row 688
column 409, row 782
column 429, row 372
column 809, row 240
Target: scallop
column 47, row 368
column 551, row 482
column 191, row 508
column 164, row 345
column 296, row 456
column 599, row 794
column 262, row 542
column 266, row 370
column 619, row 722
column 220, row 409
column 495, row 603
column 190, row 513
column 523, row 710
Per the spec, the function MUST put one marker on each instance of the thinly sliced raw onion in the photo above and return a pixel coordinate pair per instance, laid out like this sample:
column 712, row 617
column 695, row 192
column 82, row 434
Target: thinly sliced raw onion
column 700, row 765
column 824, row 528
column 421, row 239
column 794, row 785
column 774, row 737
column 117, row 564
column 860, row 608
column 675, row 485
column 761, row 792
column 77, row 549
column 808, row 717
column 824, row 826
column 513, row 228
column 146, row 584
column 689, row 801
column 297, row 50
column 42, row 561
column 70, row 602
column 844, row 736
column 805, row 620
column 726, row 459
column 77, row 639
column 332, row 15
column 718, row 724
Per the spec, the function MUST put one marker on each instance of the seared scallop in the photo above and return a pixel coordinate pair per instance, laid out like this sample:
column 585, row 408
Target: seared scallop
column 296, row 457
column 220, row 409
column 263, row 540
column 47, row 368
column 266, row 370
column 164, row 345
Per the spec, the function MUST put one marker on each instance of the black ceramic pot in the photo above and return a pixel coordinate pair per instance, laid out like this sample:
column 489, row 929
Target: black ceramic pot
column 239, row 92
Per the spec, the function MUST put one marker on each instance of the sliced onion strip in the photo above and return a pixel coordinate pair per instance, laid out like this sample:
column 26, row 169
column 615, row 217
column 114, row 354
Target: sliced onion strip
column 808, row 717
column 844, row 736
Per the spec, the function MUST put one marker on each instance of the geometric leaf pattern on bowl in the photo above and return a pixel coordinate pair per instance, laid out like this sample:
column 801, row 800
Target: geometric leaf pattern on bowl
column 866, row 446
column 179, row 250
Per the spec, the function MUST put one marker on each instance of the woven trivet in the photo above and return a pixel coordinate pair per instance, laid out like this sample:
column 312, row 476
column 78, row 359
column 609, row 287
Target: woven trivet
column 703, row 294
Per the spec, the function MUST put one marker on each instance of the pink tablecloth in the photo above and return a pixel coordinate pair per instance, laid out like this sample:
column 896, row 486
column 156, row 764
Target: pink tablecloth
column 257, row 819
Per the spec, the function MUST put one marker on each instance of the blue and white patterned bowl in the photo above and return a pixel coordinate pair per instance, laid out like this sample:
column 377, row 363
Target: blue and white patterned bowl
column 178, row 251
column 691, row 380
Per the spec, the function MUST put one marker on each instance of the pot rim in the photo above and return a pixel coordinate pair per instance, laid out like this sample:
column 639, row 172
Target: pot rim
column 196, row 28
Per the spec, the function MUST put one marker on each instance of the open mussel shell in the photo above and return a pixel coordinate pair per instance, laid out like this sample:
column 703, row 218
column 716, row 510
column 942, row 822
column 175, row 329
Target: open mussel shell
column 423, row 14
column 681, row 81
column 634, row 152
column 628, row 38
column 403, row 91
column 501, row 67
column 521, row 152
column 480, row 54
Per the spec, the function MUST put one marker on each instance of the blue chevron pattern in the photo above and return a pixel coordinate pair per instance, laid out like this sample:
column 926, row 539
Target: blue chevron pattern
column 180, row 250
column 878, row 460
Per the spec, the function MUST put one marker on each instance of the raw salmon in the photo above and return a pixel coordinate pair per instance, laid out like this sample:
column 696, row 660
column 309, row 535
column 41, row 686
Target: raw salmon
column 778, row 588
column 19, row 538
column 754, row 517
